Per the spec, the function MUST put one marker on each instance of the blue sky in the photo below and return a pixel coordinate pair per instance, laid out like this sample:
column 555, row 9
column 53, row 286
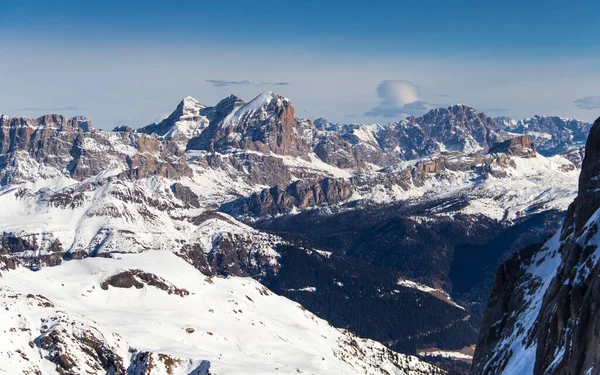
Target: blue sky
column 130, row 62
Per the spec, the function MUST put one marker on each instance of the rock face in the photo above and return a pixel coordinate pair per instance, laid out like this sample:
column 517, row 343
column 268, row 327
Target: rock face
column 25, row 248
column 51, row 146
column 298, row 195
column 588, row 197
column 265, row 124
column 185, row 194
column 543, row 303
column 520, row 146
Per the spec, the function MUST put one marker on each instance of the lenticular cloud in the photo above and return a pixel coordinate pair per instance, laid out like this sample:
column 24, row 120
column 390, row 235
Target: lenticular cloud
column 396, row 97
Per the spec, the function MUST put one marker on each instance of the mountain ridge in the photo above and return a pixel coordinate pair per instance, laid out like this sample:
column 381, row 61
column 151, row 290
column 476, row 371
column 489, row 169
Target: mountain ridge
column 314, row 212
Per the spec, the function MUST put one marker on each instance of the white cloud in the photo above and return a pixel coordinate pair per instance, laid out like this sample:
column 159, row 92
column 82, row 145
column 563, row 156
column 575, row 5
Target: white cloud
column 398, row 93
column 398, row 98
column 225, row 83
column 588, row 102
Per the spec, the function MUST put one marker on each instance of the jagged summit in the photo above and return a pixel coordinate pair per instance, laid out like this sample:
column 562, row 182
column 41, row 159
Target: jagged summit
column 190, row 106
column 455, row 128
column 266, row 124
column 185, row 122
column 265, row 104
column 322, row 123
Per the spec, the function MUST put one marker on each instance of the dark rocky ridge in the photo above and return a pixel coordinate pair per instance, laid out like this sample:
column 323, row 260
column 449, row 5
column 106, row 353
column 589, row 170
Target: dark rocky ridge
column 300, row 194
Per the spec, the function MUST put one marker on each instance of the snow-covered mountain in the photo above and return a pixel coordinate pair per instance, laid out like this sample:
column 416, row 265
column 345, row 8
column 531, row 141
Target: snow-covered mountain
column 552, row 134
column 355, row 222
column 187, row 121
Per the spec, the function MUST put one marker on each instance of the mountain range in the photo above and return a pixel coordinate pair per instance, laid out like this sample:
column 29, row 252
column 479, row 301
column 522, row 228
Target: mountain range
column 240, row 238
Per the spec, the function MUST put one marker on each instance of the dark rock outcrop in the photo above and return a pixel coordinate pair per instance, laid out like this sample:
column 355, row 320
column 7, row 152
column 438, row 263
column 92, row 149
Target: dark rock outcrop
column 57, row 341
column 300, row 194
column 25, row 249
column 7, row 262
column 185, row 194
column 137, row 278
column 518, row 146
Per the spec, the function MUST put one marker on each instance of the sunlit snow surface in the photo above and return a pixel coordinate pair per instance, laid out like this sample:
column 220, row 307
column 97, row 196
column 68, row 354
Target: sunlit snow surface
column 234, row 323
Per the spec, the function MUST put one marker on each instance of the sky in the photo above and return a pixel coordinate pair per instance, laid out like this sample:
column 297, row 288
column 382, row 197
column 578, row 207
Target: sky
column 131, row 62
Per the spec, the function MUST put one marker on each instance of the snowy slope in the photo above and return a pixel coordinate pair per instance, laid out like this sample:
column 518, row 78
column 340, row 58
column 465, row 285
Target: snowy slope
column 529, row 185
column 232, row 325
column 98, row 217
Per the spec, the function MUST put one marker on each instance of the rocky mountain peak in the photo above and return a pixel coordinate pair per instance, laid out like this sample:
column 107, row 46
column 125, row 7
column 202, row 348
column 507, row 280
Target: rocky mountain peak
column 190, row 106
column 455, row 128
column 266, row 124
column 507, row 123
column 322, row 123
column 264, row 105
column 458, row 113
column 184, row 122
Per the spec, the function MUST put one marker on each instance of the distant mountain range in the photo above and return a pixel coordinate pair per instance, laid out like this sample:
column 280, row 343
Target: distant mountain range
column 392, row 232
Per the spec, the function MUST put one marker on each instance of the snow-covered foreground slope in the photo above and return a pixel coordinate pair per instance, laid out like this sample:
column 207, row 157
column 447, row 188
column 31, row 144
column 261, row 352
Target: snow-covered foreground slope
column 172, row 319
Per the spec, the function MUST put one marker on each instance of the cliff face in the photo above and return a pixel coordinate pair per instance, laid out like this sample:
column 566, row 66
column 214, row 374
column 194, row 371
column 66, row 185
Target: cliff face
column 34, row 148
column 542, row 316
column 265, row 124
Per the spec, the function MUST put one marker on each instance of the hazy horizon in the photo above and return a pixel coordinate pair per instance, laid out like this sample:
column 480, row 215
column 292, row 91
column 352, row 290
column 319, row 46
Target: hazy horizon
column 130, row 64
